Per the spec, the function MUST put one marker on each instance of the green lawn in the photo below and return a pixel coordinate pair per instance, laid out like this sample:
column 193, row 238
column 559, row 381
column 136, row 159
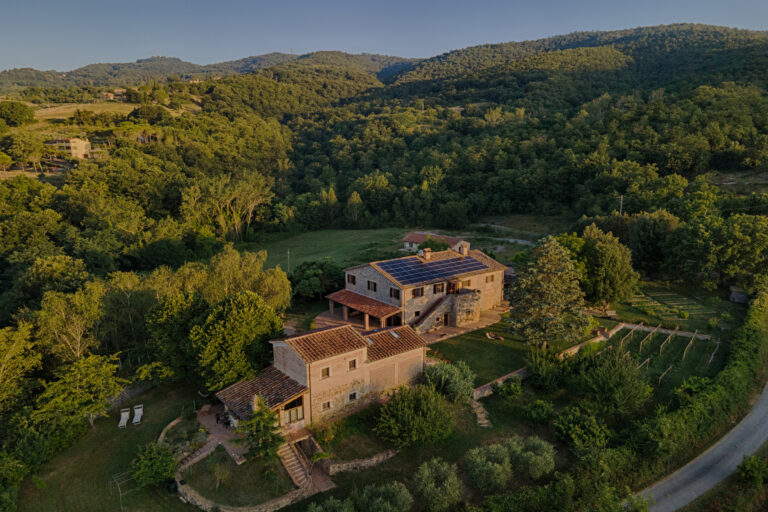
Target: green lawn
column 489, row 359
column 78, row 479
column 251, row 483
column 301, row 314
column 343, row 245
column 352, row 437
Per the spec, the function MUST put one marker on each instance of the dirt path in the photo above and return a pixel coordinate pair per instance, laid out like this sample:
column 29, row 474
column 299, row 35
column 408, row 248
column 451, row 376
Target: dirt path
column 711, row 467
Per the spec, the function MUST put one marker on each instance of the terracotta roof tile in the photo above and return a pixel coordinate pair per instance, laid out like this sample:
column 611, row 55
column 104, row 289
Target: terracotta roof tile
column 323, row 343
column 276, row 387
column 362, row 303
column 392, row 341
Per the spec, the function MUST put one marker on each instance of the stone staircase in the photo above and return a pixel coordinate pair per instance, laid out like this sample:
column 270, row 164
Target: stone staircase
column 295, row 464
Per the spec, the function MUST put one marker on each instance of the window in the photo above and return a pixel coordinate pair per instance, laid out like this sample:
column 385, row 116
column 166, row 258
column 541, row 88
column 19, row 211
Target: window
column 326, row 406
column 438, row 288
column 489, row 279
column 466, row 284
column 351, row 279
column 372, row 286
column 353, row 396
column 418, row 292
column 417, row 313
column 294, row 411
column 394, row 293
column 353, row 364
column 325, row 372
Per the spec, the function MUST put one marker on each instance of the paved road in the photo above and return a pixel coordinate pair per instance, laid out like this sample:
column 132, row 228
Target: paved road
column 708, row 469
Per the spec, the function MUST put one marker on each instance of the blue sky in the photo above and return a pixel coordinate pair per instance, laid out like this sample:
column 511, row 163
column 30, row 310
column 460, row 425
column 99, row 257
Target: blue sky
column 63, row 35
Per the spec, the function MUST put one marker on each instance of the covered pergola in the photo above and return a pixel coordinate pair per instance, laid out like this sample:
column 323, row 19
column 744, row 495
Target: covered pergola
column 369, row 307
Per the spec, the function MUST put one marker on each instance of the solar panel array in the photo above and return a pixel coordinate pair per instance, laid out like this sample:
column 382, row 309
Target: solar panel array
column 414, row 270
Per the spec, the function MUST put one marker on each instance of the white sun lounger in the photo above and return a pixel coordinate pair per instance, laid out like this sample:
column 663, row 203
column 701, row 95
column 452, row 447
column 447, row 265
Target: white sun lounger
column 124, row 414
column 138, row 412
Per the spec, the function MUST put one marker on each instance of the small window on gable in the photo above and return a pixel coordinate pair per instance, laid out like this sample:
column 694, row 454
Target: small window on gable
column 351, row 279
column 353, row 396
column 372, row 286
column 353, row 364
column 394, row 293
column 325, row 372
column 438, row 288
column 418, row 292
column 417, row 313
column 326, row 406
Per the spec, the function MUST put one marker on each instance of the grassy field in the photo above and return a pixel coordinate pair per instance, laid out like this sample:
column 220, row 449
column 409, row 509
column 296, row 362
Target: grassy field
column 658, row 304
column 466, row 435
column 531, row 227
column 489, row 359
column 67, row 110
column 251, row 483
column 352, row 437
column 346, row 246
column 78, row 479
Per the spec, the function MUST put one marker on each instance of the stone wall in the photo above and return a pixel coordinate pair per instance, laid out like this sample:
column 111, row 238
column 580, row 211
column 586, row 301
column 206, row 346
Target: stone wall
column 368, row 273
column 191, row 496
column 466, row 308
column 333, row 468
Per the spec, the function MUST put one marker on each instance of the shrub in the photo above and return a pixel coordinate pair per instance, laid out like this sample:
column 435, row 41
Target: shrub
column 540, row 411
column 455, row 381
column 153, row 465
column 384, row 497
column 332, row 505
column 437, row 485
column 581, row 430
column 489, row 467
column 414, row 415
column 532, row 456
column 753, row 471
column 313, row 279
column 511, row 389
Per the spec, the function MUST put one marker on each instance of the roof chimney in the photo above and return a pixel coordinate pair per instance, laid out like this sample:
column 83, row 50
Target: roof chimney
column 427, row 254
column 464, row 249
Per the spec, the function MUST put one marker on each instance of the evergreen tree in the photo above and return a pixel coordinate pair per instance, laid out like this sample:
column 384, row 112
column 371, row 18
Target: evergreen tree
column 547, row 300
column 262, row 432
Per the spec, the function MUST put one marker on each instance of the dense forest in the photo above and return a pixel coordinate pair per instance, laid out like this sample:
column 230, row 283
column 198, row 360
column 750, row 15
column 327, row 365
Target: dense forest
column 161, row 68
column 653, row 134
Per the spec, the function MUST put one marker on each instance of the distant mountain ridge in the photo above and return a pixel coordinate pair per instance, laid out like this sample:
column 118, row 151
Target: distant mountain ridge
column 128, row 73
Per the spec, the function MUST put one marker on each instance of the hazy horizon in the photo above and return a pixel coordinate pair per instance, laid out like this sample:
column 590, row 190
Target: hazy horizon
column 41, row 34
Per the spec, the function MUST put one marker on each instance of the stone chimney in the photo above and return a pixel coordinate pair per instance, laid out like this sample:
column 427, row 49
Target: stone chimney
column 427, row 254
column 464, row 249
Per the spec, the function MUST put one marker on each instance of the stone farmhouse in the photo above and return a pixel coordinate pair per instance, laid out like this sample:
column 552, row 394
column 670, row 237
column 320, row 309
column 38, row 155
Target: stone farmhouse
column 427, row 291
column 412, row 241
column 325, row 372
column 74, row 147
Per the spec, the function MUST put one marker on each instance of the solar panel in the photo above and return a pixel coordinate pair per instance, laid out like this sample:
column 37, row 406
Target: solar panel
column 414, row 270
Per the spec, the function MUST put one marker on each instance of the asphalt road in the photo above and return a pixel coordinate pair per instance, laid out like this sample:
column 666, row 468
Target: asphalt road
column 711, row 467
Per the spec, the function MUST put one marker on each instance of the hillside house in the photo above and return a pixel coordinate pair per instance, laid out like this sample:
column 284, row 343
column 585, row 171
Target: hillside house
column 322, row 373
column 74, row 147
column 428, row 290
column 412, row 241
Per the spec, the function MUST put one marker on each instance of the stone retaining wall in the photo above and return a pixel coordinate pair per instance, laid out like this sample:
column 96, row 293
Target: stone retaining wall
column 168, row 427
column 333, row 468
column 522, row 373
column 191, row 496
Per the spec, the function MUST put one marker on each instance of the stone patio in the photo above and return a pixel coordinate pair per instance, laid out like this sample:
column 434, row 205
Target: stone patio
column 221, row 435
